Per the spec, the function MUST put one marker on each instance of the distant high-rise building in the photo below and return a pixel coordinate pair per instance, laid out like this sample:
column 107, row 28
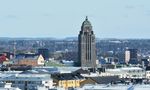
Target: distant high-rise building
column 86, row 45
column 131, row 56
column 127, row 56
column 44, row 52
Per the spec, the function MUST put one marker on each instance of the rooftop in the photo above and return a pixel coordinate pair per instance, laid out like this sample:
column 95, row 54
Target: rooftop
column 25, row 77
column 67, row 76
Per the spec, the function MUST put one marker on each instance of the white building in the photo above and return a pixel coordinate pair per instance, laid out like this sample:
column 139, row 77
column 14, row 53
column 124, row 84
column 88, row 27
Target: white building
column 125, row 72
column 8, row 86
column 28, row 81
column 127, row 56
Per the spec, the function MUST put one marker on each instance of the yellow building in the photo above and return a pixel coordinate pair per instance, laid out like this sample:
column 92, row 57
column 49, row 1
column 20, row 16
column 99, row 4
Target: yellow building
column 68, row 80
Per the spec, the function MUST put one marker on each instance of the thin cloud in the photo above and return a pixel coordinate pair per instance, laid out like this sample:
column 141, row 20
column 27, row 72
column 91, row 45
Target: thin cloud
column 10, row 16
column 130, row 7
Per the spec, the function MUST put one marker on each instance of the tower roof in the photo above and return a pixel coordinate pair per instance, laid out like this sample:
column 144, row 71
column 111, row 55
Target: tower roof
column 86, row 22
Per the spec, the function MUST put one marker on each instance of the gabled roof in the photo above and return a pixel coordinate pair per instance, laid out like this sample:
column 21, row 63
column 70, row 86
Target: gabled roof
column 81, row 71
column 105, row 79
column 87, row 81
column 67, row 76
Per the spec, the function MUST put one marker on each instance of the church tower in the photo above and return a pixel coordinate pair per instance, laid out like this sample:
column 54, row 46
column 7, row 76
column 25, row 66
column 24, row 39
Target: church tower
column 86, row 45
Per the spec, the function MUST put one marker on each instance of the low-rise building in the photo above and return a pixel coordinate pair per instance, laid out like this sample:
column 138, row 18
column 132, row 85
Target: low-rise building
column 15, row 67
column 68, row 80
column 100, row 80
column 28, row 81
column 148, row 72
column 8, row 86
column 35, row 60
column 106, row 87
column 126, row 72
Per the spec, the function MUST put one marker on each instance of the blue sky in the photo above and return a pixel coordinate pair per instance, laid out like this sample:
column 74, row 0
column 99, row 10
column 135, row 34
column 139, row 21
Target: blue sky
column 63, row 18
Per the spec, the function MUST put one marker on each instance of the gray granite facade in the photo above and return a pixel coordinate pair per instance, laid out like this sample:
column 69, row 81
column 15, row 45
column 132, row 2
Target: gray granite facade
column 86, row 45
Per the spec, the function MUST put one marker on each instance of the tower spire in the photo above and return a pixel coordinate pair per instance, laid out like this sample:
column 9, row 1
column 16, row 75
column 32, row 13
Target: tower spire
column 86, row 18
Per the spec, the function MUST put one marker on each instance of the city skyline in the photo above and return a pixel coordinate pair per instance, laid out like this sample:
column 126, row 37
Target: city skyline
column 60, row 19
